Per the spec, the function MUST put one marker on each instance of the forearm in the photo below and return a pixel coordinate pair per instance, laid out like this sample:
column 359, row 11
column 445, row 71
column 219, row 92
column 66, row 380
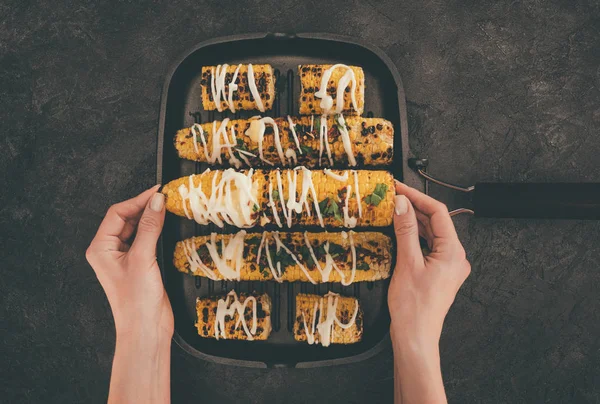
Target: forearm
column 417, row 372
column 141, row 370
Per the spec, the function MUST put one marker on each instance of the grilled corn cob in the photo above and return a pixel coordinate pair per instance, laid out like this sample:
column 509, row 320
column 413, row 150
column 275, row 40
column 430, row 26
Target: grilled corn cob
column 247, row 317
column 318, row 319
column 217, row 81
column 321, row 197
column 318, row 97
column 287, row 257
column 371, row 142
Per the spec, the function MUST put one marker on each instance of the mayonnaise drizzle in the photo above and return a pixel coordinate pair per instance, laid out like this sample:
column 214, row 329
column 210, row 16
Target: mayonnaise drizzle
column 345, row 139
column 233, row 87
column 293, row 204
column 256, row 132
column 335, row 176
column 223, row 204
column 326, row 103
column 219, row 94
column 218, row 134
column 325, row 327
column 293, row 130
column 254, row 90
column 357, row 192
column 194, row 261
column 325, row 272
column 217, row 84
column 229, row 308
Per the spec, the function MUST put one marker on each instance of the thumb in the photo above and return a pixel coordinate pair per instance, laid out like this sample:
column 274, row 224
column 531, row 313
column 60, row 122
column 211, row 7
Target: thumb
column 407, row 232
column 149, row 227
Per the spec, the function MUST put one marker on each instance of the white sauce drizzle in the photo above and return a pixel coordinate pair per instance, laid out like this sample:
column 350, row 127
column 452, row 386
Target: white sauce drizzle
column 293, row 130
column 256, row 133
column 325, row 327
column 231, row 260
column 223, row 202
column 346, row 139
column 335, row 176
column 291, row 155
column 233, row 87
column 194, row 261
column 233, row 252
column 228, row 308
column 254, row 90
column 217, row 84
column 358, row 201
column 326, row 103
column 348, row 221
column 217, row 87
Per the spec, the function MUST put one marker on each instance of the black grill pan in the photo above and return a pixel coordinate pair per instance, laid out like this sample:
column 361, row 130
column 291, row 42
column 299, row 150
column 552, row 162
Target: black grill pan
column 181, row 107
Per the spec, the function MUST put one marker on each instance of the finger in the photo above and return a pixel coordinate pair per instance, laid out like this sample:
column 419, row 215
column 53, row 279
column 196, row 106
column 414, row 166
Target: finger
column 149, row 228
column 424, row 227
column 439, row 219
column 121, row 218
column 407, row 233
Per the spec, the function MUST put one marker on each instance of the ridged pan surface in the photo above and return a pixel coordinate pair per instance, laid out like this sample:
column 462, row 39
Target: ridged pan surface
column 181, row 107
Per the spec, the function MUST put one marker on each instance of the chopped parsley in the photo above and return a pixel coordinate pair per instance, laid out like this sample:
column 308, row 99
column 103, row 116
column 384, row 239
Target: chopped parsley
column 329, row 207
column 363, row 266
column 377, row 196
column 276, row 195
column 284, row 258
column 336, row 250
column 255, row 208
column 299, row 129
column 241, row 145
column 253, row 240
column 305, row 252
column 317, row 123
column 306, row 149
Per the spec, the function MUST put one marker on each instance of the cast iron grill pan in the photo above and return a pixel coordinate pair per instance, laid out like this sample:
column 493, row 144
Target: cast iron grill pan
column 181, row 107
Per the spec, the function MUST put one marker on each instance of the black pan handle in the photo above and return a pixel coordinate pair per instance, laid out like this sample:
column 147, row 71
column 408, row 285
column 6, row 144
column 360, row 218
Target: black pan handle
column 537, row 200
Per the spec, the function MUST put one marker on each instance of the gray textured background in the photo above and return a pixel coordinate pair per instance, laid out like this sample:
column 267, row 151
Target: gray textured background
column 505, row 91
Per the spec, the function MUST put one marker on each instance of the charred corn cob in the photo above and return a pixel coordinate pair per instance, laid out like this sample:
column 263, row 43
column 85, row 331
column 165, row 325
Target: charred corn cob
column 318, row 319
column 370, row 142
column 327, row 89
column 285, row 197
column 340, row 257
column 238, row 87
column 247, row 317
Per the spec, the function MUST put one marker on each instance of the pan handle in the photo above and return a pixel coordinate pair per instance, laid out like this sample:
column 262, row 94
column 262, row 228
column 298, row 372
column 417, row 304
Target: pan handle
column 537, row 200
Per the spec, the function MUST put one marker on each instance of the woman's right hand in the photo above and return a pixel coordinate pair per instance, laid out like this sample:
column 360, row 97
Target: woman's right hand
column 422, row 289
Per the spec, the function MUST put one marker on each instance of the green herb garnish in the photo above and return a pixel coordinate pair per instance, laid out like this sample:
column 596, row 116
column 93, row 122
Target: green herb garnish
column 299, row 129
column 284, row 258
column 335, row 250
column 377, row 196
column 241, row 145
column 363, row 266
column 317, row 124
column 275, row 195
column 329, row 207
column 306, row 149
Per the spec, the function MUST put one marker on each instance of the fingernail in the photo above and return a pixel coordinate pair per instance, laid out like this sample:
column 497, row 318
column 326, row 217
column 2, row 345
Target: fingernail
column 401, row 204
column 157, row 202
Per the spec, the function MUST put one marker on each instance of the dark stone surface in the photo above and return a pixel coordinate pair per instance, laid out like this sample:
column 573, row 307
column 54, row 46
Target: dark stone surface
column 505, row 91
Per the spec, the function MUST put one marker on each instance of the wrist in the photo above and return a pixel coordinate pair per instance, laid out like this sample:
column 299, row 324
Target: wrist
column 411, row 343
column 143, row 337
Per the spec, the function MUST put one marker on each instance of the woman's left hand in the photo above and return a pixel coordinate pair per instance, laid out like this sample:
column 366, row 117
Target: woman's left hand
column 128, row 270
